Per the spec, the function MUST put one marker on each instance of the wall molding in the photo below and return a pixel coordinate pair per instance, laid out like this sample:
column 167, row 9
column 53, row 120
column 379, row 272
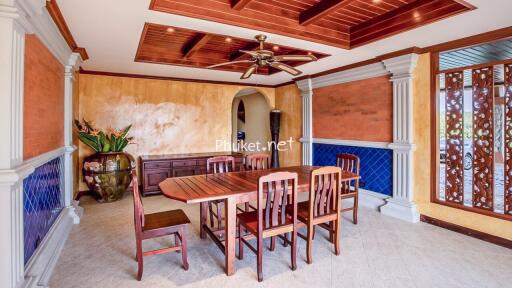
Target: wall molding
column 36, row 19
column 353, row 143
column 355, row 74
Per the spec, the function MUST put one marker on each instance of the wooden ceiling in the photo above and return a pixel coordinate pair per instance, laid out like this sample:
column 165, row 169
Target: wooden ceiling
column 178, row 46
column 341, row 23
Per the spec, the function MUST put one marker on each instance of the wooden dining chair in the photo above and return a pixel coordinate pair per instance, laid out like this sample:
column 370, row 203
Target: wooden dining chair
column 257, row 161
column 349, row 189
column 148, row 226
column 271, row 218
column 217, row 165
column 322, row 208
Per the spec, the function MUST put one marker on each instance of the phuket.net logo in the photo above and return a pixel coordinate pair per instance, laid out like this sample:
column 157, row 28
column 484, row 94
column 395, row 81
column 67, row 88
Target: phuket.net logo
column 224, row 145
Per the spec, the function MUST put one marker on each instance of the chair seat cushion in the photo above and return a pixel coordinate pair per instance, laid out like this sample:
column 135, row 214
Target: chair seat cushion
column 165, row 219
column 249, row 220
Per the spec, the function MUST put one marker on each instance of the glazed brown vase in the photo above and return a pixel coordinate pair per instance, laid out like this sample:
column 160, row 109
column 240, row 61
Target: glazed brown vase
column 108, row 174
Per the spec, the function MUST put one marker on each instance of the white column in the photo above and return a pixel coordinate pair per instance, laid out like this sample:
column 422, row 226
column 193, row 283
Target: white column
column 306, row 90
column 73, row 64
column 402, row 205
column 12, row 48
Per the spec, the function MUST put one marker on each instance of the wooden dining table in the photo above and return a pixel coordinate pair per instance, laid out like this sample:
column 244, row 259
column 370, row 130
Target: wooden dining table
column 234, row 188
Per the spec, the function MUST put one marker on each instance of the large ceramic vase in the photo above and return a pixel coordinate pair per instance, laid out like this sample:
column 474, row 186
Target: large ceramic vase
column 108, row 174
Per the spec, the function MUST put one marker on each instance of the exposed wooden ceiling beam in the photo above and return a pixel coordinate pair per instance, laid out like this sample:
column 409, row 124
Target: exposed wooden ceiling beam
column 321, row 9
column 195, row 44
column 237, row 55
column 239, row 4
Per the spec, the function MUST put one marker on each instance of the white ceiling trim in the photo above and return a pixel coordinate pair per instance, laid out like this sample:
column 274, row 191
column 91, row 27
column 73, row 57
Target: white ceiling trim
column 110, row 31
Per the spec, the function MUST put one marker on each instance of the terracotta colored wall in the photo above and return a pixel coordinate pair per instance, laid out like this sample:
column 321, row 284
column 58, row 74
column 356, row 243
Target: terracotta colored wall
column 422, row 159
column 289, row 101
column 44, row 100
column 360, row 110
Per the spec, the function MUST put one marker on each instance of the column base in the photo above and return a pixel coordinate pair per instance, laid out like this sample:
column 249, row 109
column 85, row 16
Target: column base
column 401, row 209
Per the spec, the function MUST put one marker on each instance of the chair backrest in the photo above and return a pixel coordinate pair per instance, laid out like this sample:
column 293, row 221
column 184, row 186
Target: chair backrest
column 323, row 193
column 275, row 191
column 220, row 164
column 138, row 209
column 258, row 161
column 350, row 163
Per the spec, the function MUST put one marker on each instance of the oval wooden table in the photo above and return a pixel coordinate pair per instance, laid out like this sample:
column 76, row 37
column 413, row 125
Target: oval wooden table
column 234, row 188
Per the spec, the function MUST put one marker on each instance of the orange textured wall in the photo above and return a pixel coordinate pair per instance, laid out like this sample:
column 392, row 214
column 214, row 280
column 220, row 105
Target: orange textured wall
column 44, row 100
column 360, row 110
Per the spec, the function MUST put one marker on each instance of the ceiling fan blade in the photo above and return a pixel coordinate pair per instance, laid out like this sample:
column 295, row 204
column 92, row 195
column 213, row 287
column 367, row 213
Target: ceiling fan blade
column 249, row 71
column 295, row 58
column 230, row 63
column 285, row 68
column 252, row 53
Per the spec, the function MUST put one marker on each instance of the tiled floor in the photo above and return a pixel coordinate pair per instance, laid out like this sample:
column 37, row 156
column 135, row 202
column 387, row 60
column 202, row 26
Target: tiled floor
column 378, row 252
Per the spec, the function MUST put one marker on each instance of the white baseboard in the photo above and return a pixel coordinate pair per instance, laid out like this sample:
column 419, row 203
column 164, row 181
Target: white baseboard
column 403, row 210
column 40, row 267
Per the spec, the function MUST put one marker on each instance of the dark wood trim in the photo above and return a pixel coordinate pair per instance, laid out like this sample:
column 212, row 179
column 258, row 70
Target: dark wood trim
column 434, row 116
column 56, row 14
column 322, row 9
column 467, row 231
column 195, row 44
column 115, row 74
column 239, row 4
column 482, row 38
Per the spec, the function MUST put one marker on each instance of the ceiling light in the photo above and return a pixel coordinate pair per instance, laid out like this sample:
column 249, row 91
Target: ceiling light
column 310, row 53
column 170, row 30
column 228, row 39
column 376, row 1
column 417, row 16
column 275, row 48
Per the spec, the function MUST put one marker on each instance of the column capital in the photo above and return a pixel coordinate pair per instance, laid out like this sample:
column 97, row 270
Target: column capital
column 74, row 63
column 401, row 67
column 306, row 87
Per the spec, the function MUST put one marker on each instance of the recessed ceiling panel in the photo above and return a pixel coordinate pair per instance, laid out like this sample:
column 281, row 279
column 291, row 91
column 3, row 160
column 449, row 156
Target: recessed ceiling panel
column 339, row 23
column 178, row 46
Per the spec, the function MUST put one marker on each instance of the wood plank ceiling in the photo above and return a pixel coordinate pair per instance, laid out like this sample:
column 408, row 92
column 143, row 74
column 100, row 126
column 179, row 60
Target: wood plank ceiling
column 475, row 55
column 184, row 47
column 341, row 23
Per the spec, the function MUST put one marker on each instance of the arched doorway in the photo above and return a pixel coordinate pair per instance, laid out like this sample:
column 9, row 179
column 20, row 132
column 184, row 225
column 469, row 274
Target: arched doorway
column 250, row 119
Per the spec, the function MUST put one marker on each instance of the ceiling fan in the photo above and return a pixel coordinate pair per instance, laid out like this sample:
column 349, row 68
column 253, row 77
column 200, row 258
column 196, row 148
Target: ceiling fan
column 262, row 57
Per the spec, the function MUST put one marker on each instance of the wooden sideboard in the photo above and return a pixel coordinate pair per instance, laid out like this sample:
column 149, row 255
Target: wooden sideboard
column 156, row 168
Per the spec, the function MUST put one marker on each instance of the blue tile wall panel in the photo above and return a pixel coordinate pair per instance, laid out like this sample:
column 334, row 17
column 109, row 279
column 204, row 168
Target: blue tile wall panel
column 376, row 164
column 42, row 202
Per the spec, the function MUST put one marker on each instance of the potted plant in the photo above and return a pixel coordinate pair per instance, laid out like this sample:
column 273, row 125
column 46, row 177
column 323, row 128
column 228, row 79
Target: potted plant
column 107, row 172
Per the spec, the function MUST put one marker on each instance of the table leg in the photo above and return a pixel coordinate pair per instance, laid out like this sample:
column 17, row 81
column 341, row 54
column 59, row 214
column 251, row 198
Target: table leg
column 230, row 235
column 203, row 214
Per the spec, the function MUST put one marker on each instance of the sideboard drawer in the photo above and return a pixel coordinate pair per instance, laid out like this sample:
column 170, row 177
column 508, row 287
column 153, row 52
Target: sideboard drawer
column 157, row 165
column 183, row 163
column 201, row 162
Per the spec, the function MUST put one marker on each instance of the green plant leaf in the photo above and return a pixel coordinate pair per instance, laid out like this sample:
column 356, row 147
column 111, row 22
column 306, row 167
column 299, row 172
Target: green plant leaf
column 125, row 131
column 123, row 145
column 89, row 140
column 106, row 147
column 113, row 143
